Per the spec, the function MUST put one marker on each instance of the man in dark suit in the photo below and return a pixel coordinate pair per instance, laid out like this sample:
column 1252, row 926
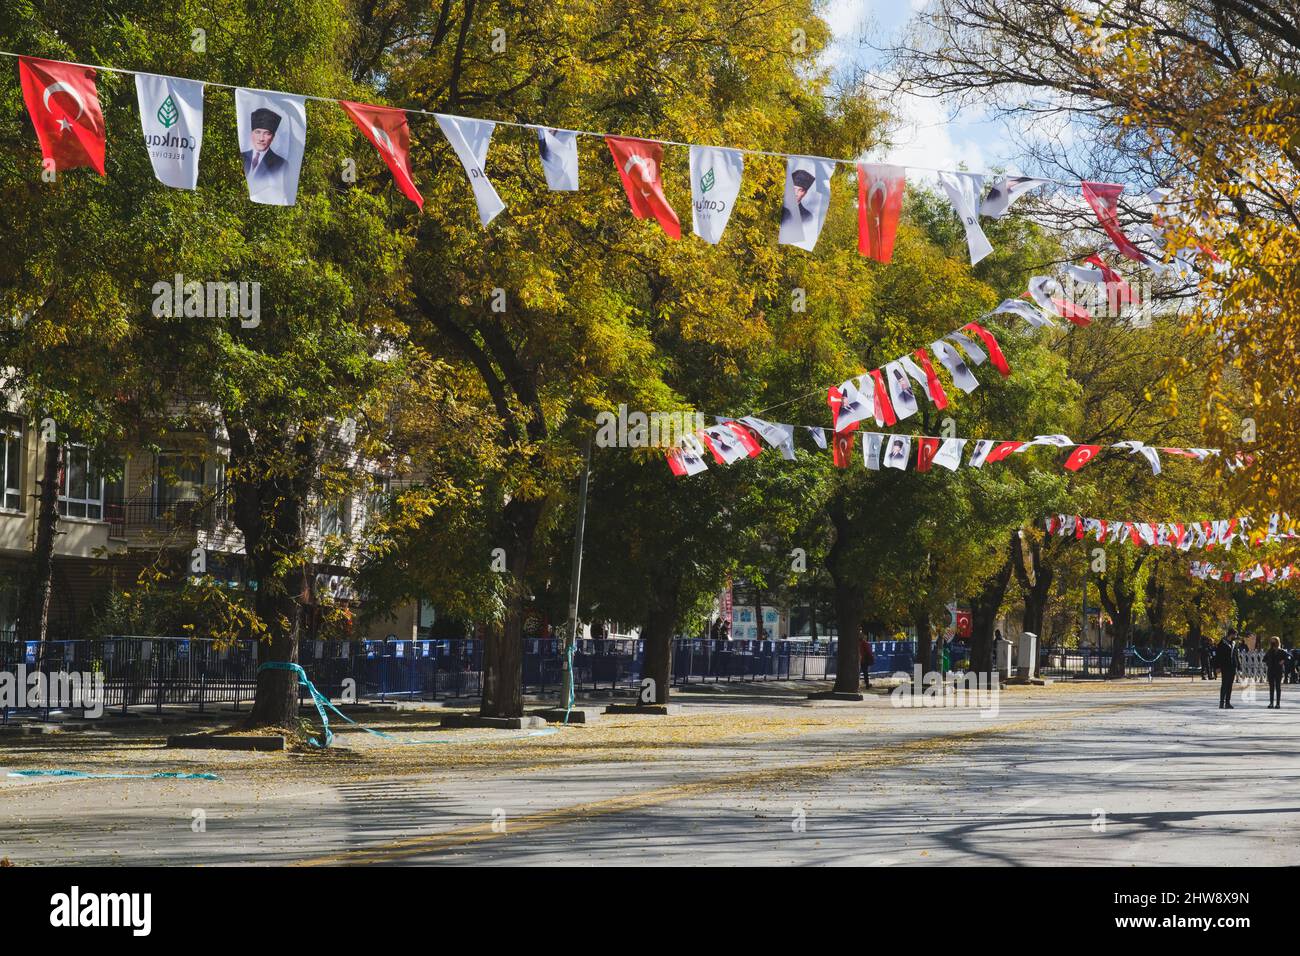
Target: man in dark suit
column 1207, row 655
column 1225, row 658
column 261, row 163
column 803, row 181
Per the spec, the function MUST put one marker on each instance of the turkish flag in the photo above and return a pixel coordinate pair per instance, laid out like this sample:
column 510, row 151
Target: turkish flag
column 1119, row 291
column 995, row 352
column 880, row 201
column 1081, row 456
column 842, row 448
column 747, row 439
column 387, row 131
column 64, row 106
column 1002, row 449
column 1104, row 200
column 640, row 163
column 925, row 449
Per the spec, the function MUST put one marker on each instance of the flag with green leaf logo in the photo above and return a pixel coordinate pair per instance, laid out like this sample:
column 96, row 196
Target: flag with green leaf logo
column 171, row 118
column 715, row 184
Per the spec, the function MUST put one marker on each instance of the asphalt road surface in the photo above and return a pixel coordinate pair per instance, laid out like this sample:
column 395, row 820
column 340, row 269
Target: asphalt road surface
column 1135, row 774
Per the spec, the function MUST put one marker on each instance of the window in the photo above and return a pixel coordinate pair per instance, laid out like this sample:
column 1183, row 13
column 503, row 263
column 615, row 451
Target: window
column 83, row 489
column 11, row 465
column 221, row 501
column 334, row 518
column 177, row 478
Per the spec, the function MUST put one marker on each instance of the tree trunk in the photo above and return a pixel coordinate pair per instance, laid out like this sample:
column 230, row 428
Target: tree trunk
column 503, row 652
column 850, row 604
column 758, row 613
column 812, row 612
column 36, row 608
column 657, row 632
column 1035, row 577
column 984, row 614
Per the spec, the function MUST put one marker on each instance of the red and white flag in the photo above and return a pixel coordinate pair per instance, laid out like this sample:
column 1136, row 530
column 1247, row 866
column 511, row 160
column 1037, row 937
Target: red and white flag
column 686, row 460
column 725, row 444
column 995, row 352
column 1003, row 449
column 1104, row 200
column 880, row 201
column 1118, row 291
column 926, row 449
column 63, row 103
column 842, row 448
column 640, row 166
column 1081, row 456
column 387, row 131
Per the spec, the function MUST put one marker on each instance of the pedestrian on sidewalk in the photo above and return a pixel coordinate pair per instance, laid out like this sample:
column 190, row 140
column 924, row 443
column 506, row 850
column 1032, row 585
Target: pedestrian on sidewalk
column 1225, row 659
column 1207, row 659
column 866, row 658
column 1275, row 659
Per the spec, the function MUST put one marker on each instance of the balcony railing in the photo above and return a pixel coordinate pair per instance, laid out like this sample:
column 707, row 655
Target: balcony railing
column 164, row 516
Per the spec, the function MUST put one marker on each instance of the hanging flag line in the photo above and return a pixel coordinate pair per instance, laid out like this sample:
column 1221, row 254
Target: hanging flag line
column 272, row 128
column 1183, row 535
column 730, row 440
column 1271, row 575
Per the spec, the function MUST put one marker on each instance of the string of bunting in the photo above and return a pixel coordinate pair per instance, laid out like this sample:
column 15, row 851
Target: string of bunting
column 62, row 100
column 1183, row 535
column 1271, row 575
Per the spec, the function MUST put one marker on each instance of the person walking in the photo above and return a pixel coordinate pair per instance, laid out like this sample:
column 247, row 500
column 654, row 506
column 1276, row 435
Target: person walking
column 866, row 658
column 1275, row 660
column 1207, row 659
column 1225, row 659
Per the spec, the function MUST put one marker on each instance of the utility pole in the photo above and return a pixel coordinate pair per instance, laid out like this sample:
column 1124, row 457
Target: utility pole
column 575, row 579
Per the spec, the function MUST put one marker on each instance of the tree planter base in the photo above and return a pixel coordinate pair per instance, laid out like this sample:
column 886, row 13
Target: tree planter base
column 209, row 742
column 459, row 721
column 834, row 695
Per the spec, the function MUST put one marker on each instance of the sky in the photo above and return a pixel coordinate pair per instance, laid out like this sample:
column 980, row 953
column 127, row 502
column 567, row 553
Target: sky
column 928, row 136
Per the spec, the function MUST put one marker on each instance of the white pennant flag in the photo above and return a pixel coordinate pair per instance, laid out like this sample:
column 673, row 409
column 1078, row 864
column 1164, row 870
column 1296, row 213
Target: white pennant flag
column 272, row 136
column 470, row 139
column 171, row 117
column 558, row 149
column 963, row 191
column 981, row 451
column 715, row 184
column 1152, row 457
column 961, row 374
column 780, row 437
column 807, row 200
column 898, row 451
column 871, row 450
column 917, row 375
column 1056, row 441
column 1006, row 191
column 1086, row 274
column 977, row 355
column 900, row 391
column 818, row 436
column 949, row 453
column 1026, row 311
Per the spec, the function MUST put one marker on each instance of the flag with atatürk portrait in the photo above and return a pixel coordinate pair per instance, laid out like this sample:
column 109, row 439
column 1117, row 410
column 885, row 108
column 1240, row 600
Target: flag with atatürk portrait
column 470, row 138
column 963, row 191
column 807, row 200
column 558, row 150
column 1006, row 191
column 880, row 201
column 272, row 131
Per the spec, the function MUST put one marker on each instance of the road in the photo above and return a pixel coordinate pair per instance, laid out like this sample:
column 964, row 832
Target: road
column 1134, row 774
